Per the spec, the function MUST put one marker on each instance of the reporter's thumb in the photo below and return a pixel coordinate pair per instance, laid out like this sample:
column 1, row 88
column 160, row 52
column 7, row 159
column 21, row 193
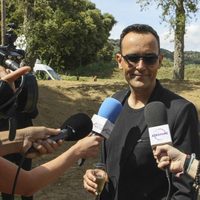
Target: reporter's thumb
column 26, row 145
column 51, row 131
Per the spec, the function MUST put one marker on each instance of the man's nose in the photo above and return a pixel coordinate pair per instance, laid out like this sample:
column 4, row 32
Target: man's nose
column 140, row 64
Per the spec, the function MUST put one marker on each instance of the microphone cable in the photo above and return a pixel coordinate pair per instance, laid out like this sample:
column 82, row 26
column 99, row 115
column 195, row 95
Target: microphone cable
column 169, row 183
column 17, row 174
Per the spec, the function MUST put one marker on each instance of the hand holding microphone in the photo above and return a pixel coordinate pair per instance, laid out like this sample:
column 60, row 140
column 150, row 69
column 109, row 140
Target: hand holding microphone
column 167, row 155
column 156, row 118
column 103, row 122
column 74, row 128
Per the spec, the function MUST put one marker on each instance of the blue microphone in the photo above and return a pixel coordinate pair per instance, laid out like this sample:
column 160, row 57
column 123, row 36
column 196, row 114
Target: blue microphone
column 110, row 109
column 103, row 122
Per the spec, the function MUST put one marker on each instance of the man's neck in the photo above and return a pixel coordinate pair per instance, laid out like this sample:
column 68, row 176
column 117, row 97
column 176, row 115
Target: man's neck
column 139, row 98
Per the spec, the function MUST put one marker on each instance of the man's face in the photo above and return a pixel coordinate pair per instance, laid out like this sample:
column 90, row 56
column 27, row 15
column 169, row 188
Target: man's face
column 139, row 60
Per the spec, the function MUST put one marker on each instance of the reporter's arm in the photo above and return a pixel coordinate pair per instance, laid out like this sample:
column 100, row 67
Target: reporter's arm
column 7, row 146
column 31, row 181
column 24, row 139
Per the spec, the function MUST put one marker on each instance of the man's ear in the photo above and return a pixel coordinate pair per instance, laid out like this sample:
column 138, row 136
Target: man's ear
column 118, row 58
column 160, row 58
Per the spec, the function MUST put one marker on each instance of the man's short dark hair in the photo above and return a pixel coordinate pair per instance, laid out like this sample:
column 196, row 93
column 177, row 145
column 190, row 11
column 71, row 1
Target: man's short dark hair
column 138, row 28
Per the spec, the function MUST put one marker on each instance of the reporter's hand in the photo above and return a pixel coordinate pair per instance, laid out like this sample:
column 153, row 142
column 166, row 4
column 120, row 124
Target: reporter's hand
column 167, row 155
column 88, row 146
column 43, row 147
column 38, row 136
column 10, row 76
column 13, row 75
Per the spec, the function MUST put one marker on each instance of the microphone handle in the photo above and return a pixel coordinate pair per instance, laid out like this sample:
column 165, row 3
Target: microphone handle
column 63, row 135
column 81, row 161
column 167, row 172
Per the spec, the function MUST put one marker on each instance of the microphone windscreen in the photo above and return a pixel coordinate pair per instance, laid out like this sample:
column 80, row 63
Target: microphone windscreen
column 110, row 109
column 155, row 114
column 80, row 123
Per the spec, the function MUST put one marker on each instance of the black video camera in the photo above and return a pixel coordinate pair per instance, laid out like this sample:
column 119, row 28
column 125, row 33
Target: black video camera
column 25, row 98
column 9, row 51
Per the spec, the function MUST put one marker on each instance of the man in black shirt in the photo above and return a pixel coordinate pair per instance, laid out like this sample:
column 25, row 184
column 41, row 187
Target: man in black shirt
column 131, row 167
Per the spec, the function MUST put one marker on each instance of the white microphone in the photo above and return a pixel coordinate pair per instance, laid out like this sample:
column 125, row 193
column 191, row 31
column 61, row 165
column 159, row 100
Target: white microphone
column 102, row 126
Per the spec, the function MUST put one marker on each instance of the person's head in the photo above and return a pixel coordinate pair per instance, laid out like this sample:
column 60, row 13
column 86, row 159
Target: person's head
column 139, row 56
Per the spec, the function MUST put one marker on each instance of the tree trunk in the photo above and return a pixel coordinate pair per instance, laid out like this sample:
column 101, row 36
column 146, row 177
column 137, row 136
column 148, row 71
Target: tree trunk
column 28, row 19
column 178, row 71
column 3, row 19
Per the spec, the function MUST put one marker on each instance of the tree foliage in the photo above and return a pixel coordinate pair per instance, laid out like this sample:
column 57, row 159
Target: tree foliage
column 67, row 33
column 176, row 13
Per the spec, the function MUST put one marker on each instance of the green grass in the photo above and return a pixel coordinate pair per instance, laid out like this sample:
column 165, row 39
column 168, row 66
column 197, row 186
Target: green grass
column 111, row 71
column 191, row 73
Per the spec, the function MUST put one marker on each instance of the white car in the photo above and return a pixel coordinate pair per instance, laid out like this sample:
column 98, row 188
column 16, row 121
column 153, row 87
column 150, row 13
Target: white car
column 45, row 72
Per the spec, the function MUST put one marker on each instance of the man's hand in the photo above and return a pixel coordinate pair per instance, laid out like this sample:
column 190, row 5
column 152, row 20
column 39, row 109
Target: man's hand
column 89, row 181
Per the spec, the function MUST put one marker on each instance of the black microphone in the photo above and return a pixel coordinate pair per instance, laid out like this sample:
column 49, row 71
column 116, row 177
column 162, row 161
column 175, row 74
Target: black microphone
column 155, row 114
column 74, row 128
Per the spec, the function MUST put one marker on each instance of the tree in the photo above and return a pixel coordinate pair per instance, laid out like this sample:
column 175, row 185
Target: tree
column 67, row 33
column 176, row 13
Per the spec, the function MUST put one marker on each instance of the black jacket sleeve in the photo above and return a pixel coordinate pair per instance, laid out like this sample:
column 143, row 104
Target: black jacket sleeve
column 185, row 138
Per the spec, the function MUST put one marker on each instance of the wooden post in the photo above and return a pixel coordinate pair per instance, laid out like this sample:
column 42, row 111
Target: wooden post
column 3, row 21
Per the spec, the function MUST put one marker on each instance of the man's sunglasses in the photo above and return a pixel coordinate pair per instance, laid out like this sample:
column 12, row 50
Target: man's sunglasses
column 148, row 59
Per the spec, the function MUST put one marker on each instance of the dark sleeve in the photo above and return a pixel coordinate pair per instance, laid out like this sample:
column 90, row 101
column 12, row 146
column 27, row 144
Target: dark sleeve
column 6, row 92
column 186, row 139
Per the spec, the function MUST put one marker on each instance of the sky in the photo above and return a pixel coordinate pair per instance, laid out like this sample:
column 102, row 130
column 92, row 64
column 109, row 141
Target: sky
column 128, row 12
